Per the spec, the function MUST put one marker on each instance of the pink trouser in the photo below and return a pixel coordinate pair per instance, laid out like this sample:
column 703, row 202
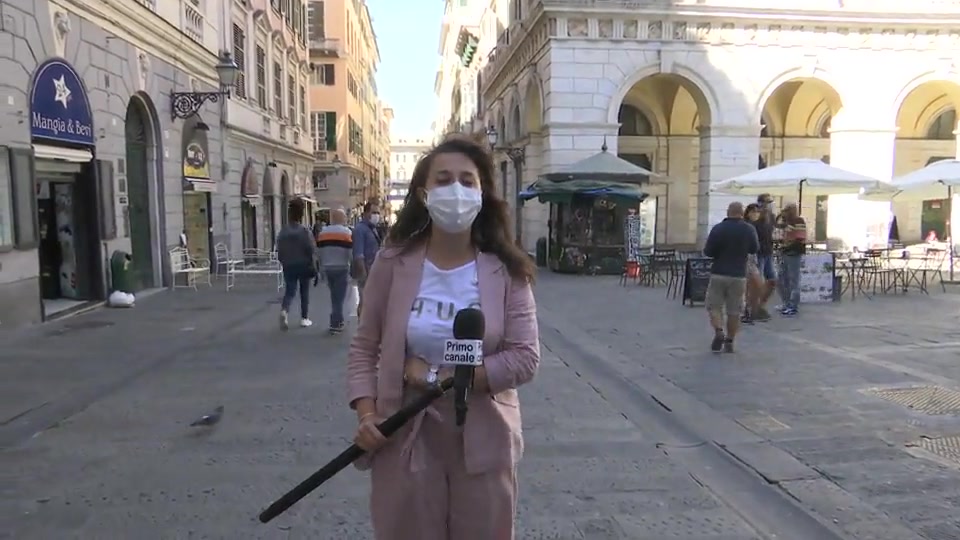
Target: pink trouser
column 442, row 501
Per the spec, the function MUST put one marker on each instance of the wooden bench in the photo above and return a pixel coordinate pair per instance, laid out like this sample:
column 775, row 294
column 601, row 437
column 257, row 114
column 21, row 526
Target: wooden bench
column 193, row 270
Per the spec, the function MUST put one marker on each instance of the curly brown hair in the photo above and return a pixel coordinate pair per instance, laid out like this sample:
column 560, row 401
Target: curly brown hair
column 491, row 231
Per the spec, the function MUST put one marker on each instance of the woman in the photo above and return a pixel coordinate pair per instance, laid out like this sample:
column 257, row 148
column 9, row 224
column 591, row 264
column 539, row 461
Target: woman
column 754, row 277
column 449, row 249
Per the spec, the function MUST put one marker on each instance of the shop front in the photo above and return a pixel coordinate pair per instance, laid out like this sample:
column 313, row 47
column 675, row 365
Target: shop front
column 66, row 191
column 198, row 189
column 303, row 190
column 271, row 197
column 250, row 200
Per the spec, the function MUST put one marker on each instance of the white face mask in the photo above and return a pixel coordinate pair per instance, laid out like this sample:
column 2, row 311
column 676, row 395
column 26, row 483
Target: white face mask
column 375, row 219
column 454, row 207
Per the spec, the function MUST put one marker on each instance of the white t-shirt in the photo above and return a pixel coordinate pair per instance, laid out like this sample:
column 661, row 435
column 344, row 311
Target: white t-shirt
column 442, row 294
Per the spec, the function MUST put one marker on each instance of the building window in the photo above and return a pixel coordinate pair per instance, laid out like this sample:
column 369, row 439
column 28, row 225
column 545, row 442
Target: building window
column 356, row 136
column 297, row 16
column 261, row 77
column 352, row 86
column 275, row 4
column 318, row 131
column 943, row 127
column 292, row 100
column 633, row 123
column 278, row 88
column 303, row 106
column 315, row 22
column 285, row 8
column 6, row 200
column 240, row 57
column 325, row 74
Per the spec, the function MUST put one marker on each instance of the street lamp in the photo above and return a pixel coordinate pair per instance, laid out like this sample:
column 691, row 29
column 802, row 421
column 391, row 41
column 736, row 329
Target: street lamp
column 336, row 164
column 492, row 136
column 517, row 155
column 186, row 104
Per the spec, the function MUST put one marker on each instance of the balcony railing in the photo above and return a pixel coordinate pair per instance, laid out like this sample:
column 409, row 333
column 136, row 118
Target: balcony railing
column 150, row 4
column 192, row 21
column 326, row 47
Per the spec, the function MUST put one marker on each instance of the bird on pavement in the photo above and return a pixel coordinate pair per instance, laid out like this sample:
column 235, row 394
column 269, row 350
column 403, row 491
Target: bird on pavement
column 209, row 419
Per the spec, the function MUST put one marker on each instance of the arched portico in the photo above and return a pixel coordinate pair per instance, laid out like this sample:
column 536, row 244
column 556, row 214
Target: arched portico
column 926, row 132
column 661, row 117
column 796, row 118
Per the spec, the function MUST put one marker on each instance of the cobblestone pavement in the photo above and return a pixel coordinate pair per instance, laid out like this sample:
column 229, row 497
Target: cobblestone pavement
column 800, row 395
column 112, row 456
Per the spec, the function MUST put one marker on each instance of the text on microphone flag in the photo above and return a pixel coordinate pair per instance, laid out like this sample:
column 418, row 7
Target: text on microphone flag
column 463, row 352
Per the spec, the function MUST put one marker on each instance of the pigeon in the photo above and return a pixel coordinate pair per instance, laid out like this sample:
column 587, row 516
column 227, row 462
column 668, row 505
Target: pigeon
column 209, row 419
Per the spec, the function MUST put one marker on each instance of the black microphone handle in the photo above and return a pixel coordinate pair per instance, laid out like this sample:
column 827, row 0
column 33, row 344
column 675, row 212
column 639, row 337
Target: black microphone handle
column 388, row 427
column 462, row 382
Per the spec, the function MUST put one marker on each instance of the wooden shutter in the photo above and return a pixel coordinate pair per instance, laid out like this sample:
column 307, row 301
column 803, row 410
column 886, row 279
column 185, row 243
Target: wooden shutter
column 107, row 198
column 331, row 131
column 22, row 175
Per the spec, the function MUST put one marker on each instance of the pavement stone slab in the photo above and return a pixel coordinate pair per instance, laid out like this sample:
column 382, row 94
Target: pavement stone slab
column 126, row 464
column 802, row 384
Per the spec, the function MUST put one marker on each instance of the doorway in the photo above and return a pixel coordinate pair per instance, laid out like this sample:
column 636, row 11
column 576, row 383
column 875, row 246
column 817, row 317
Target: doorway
column 269, row 222
column 248, row 218
column 934, row 218
column 197, row 224
column 68, row 234
column 138, row 143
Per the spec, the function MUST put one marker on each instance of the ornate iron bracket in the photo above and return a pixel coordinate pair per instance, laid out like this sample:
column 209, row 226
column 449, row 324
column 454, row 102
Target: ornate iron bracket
column 185, row 105
column 516, row 155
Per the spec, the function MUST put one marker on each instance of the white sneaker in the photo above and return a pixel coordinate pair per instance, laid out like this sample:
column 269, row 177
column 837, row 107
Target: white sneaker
column 306, row 323
column 284, row 325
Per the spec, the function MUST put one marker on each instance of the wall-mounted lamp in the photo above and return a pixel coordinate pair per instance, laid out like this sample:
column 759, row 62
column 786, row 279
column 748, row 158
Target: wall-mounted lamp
column 186, row 104
column 516, row 155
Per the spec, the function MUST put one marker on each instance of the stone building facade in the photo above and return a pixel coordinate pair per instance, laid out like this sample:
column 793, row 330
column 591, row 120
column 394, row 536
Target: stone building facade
column 90, row 160
column 701, row 94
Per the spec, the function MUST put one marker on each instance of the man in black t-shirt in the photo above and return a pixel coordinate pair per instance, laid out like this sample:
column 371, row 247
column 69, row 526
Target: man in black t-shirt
column 765, row 226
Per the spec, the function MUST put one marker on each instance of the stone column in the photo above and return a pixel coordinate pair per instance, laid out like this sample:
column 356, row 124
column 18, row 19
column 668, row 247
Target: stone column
column 860, row 143
column 725, row 152
column 533, row 213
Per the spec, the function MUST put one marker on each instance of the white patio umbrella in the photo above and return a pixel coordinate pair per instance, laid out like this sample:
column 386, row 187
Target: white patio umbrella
column 939, row 180
column 794, row 176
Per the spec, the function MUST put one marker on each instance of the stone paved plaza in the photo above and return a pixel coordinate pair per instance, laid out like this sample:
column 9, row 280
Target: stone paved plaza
column 632, row 430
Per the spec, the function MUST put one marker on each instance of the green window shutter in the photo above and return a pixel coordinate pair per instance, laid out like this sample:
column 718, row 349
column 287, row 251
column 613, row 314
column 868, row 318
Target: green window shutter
column 332, row 131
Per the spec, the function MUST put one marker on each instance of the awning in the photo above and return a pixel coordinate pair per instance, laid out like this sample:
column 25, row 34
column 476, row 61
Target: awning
column 202, row 185
column 71, row 155
column 271, row 178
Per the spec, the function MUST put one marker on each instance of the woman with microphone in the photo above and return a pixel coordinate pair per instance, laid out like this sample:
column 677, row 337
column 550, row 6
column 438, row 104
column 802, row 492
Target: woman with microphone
column 450, row 249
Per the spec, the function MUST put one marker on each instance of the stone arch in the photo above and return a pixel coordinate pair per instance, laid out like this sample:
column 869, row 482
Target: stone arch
column 799, row 107
column 145, row 193
column 672, row 103
column 926, row 101
column 700, row 90
column 795, row 74
column 516, row 123
column 533, row 105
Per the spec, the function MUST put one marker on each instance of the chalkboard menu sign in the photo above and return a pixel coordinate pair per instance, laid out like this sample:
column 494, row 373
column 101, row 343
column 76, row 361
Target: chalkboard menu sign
column 695, row 280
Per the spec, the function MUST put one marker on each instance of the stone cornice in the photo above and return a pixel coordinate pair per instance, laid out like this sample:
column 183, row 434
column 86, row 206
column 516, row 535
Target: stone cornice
column 243, row 135
column 712, row 26
column 147, row 31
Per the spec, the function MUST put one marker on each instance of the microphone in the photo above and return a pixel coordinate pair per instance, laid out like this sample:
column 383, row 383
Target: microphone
column 465, row 351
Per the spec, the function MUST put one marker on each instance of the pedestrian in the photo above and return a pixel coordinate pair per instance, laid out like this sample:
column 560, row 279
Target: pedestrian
column 366, row 244
column 792, row 250
column 729, row 244
column 296, row 251
column 335, row 249
column 765, row 227
column 755, row 283
column 450, row 248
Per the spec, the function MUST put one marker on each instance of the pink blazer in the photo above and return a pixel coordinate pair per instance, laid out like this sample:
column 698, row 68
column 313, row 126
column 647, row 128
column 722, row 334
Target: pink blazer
column 511, row 346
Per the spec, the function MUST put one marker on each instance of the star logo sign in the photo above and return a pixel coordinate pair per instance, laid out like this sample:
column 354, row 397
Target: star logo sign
column 63, row 93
